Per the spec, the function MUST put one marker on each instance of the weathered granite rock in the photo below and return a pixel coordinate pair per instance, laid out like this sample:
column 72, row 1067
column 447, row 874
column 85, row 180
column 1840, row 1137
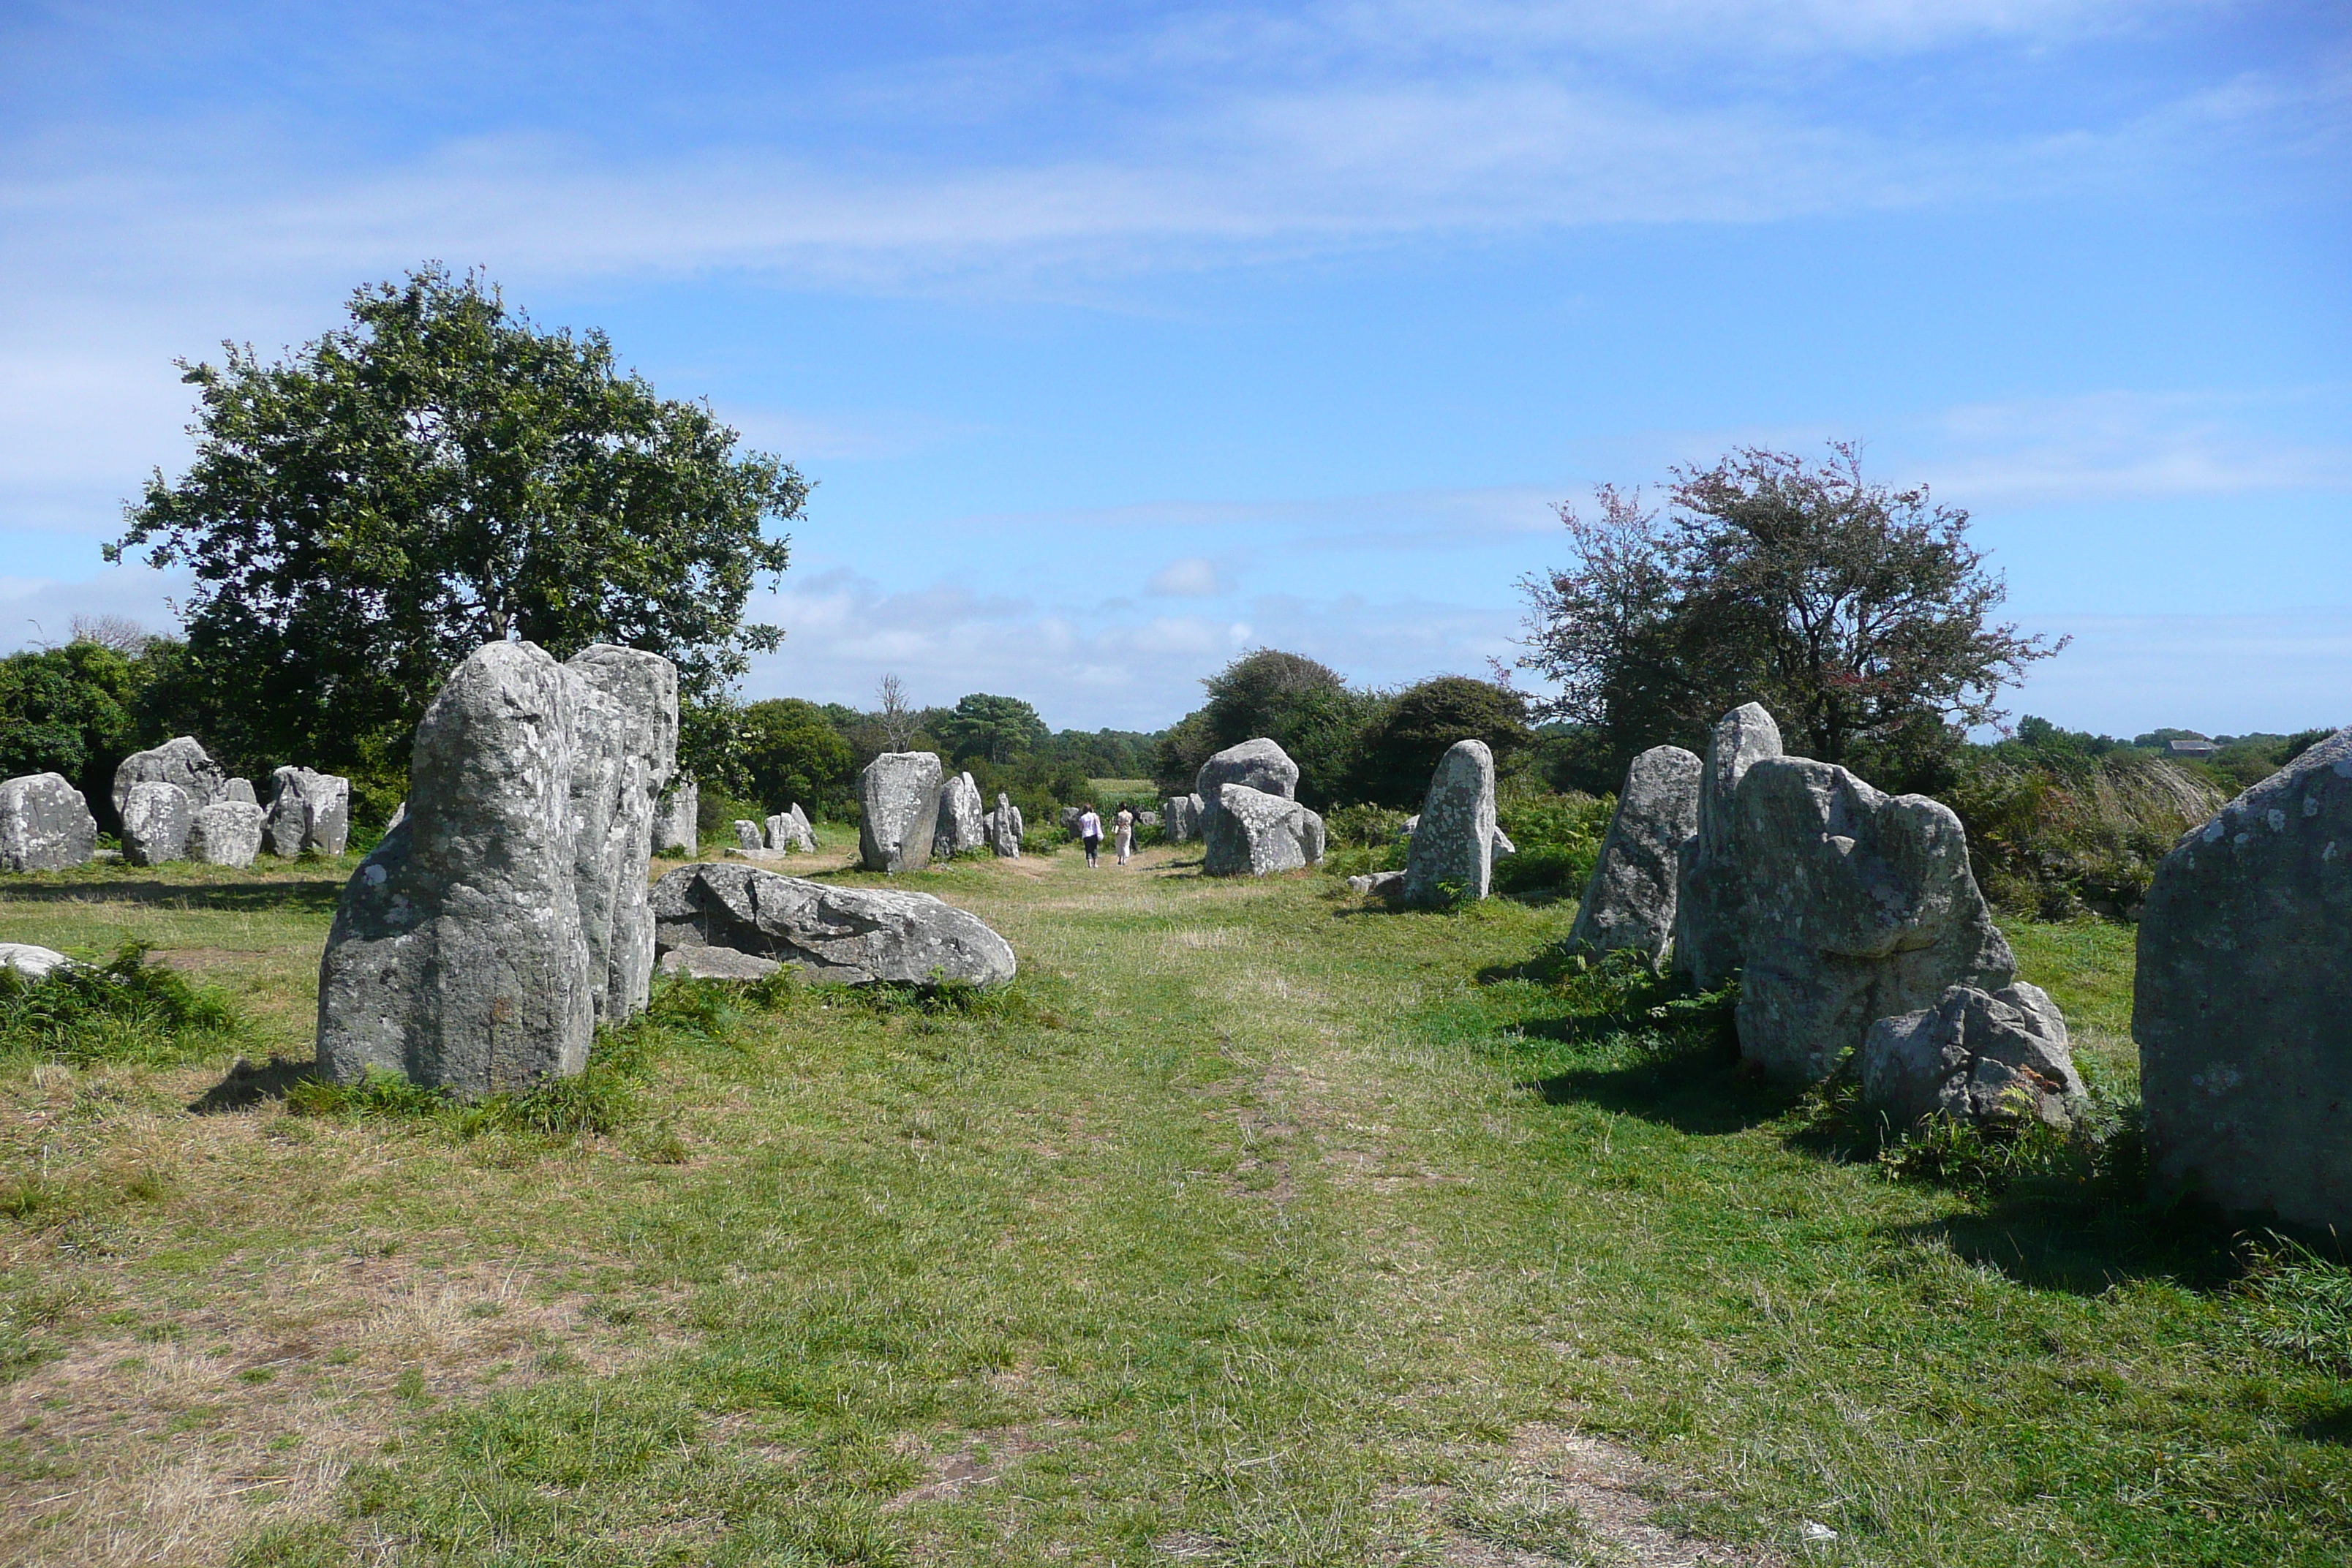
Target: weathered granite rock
column 226, row 833
column 959, row 829
column 32, row 962
column 179, row 761
column 1378, row 884
column 1005, row 827
column 678, row 820
column 1147, row 819
column 1858, row 906
column 457, row 957
column 1070, row 815
column 1181, row 816
column 899, row 810
column 854, row 935
column 1711, row 890
column 2242, row 1007
column 1453, row 836
column 624, row 752
column 1629, row 900
column 1260, row 766
column 45, row 824
column 156, row 818
column 1257, row 834
column 309, row 810
column 240, row 790
column 790, row 832
column 1312, row 838
column 1976, row 1057
column 717, row 963
column 749, row 835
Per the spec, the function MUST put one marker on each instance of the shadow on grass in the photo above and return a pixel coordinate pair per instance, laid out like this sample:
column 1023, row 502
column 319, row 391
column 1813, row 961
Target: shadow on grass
column 310, row 895
column 247, row 1086
column 2330, row 1426
column 1696, row 1089
column 2084, row 1243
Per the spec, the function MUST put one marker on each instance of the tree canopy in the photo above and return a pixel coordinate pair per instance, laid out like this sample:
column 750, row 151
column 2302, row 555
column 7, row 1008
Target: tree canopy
column 791, row 754
column 1399, row 748
column 437, row 474
column 1860, row 616
column 986, row 728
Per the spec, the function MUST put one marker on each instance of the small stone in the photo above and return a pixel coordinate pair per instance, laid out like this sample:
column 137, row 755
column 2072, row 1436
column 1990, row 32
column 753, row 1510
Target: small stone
column 240, row 790
column 717, row 963
column 750, row 838
column 1003, row 828
column 1976, row 1057
column 32, row 962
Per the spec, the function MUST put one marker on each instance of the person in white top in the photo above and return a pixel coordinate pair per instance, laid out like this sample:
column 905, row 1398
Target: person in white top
column 1090, row 833
column 1125, row 821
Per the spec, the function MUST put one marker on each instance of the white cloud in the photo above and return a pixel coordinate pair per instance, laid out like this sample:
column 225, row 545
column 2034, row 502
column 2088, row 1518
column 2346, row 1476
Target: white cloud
column 1193, row 577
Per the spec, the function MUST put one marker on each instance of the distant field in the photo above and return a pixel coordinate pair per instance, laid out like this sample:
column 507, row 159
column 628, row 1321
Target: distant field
column 1121, row 786
column 1254, row 1226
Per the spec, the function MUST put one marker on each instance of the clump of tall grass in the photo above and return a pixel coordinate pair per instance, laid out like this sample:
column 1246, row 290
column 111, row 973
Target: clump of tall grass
column 2299, row 1304
column 125, row 1010
column 2060, row 835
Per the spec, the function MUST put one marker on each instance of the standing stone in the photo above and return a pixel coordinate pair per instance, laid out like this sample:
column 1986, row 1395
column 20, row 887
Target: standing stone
column 1181, row 816
column 960, row 828
column 240, row 790
column 1260, row 834
column 678, row 820
column 750, row 838
column 1005, row 828
column 1976, row 1057
column 457, row 957
column 2242, row 1007
column 1709, row 899
column 899, row 810
column 792, row 831
column 1629, row 901
column 1070, row 815
column 45, row 824
column 156, row 818
column 180, row 760
column 1858, row 907
column 625, row 751
column 854, row 936
column 309, row 810
column 226, row 833
column 1259, row 765
column 1453, row 839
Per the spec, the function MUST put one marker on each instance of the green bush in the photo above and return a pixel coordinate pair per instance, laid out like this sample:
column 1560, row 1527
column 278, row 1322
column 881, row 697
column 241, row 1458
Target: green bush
column 126, row 1010
column 1557, row 837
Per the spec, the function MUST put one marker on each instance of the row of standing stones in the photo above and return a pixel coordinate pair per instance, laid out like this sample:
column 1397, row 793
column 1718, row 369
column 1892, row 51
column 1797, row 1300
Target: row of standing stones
column 506, row 911
column 175, row 803
column 1860, row 938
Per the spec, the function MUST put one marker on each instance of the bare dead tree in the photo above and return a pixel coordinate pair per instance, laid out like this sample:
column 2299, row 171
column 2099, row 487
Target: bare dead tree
column 897, row 716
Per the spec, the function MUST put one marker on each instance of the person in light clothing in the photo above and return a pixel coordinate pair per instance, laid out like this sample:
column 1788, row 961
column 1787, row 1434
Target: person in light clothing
column 1090, row 835
column 1125, row 821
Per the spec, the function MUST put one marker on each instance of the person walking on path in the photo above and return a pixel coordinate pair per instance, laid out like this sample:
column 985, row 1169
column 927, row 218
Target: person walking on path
column 1090, row 834
column 1125, row 820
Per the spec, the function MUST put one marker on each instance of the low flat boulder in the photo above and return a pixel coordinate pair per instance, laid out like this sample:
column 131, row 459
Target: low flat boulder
column 226, row 833
column 45, row 824
column 1629, row 900
column 1985, row 1057
column 715, row 964
column 854, row 936
column 31, row 962
column 1378, row 884
column 156, row 818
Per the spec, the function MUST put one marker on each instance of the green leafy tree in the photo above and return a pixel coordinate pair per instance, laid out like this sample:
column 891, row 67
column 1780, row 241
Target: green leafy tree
column 70, row 710
column 791, row 754
column 984, row 728
column 1303, row 706
column 1860, row 616
column 438, row 474
column 1400, row 746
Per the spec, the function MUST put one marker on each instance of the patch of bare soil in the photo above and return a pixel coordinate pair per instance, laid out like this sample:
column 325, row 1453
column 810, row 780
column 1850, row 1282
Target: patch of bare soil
column 170, row 1448
column 981, row 1458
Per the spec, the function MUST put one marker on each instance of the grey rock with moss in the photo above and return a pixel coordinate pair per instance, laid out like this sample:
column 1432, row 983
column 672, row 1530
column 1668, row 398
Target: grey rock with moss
column 1257, row 834
column 790, row 832
column 2242, row 1005
column 898, row 810
column 851, row 935
column 180, row 760
column 960, row 827
column 678, row 820
column 1003, row 827
column 1981, row 1058
column 1453, row 847
column 624, row 752
column 1711, row 889
column 226, row 833
column 1858, row 906
column 156, row 818
column 309, row 810
column 751, row 838
column 45, row 824
column 1260, row 766
column 1628, row 899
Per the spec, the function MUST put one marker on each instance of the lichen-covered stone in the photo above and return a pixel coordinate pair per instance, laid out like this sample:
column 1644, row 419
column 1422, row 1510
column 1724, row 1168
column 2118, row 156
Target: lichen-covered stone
column 1858, row 906
column 898, row 810
column 789, row 832
column 678, row 820
column 1453, row 836
column 624, row 752
column 749, row 836
column 240, row 790
column 32, row 962
column 309, row 810
column 1257, row 834
column 960, row 828
column 717, row 963
column 156, row 818
column 226, row 833
column 1976, row 1057
column 1629, row 900
column 1710, row 897
column 852, row 935
column 1260, row 766
column 457, row 957
column 1003, row 827
column 45, row 824
column 1180, row 818
column 2242, row 1007
column 181, row 760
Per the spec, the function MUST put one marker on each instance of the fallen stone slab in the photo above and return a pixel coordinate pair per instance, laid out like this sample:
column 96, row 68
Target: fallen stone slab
column 715, row 964
column 1981, row 1057
column 851, row 935
column 2242, row 1005
column 1378, row 884
column 1628, row 899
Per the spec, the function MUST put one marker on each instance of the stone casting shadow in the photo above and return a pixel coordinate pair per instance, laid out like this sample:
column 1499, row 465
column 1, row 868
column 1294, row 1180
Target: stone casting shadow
column 310, row 896
column 2085, row 1243
column 1699, row 1090
column 247, row 1086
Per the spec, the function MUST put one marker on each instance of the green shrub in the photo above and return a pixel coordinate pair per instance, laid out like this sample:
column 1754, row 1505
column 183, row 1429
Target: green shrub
column 2058, row 833
column 126, row 1010
column 1557, row 837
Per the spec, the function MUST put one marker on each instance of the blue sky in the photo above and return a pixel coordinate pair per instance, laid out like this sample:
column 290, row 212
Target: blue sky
column 1121, row 338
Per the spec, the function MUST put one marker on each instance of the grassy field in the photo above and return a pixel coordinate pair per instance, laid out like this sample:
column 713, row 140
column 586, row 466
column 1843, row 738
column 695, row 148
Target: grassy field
column 1252, row 1225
